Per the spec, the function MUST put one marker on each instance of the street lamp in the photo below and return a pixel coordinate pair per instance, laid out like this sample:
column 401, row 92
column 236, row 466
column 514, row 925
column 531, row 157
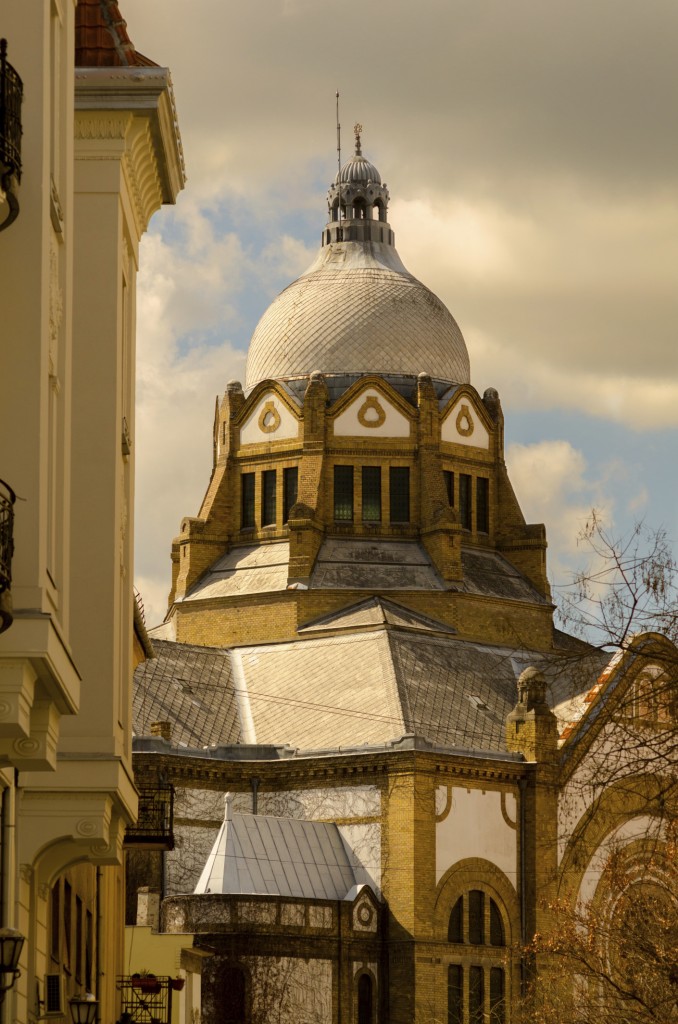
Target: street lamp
column 11, row 944
column 84, row 1011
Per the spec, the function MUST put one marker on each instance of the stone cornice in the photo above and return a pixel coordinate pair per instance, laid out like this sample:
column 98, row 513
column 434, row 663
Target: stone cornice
column 372, row 768
column 146, row 94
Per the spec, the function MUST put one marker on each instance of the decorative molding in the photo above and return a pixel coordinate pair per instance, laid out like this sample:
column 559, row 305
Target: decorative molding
column 269, row 419
column 86, row 827
column 43, row 891
column 371, row 404
column 464, row 421
column 26, row 873
column 93, row 126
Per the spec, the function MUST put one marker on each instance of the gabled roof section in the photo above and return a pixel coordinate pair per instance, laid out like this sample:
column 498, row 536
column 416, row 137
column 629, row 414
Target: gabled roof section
column 372, row 380
column 190, row 687
column 101, row 38
column 261, row 855
column 374, row 613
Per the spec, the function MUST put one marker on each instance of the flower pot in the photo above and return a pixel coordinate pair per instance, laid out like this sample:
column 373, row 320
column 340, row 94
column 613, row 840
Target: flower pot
column 177, row 984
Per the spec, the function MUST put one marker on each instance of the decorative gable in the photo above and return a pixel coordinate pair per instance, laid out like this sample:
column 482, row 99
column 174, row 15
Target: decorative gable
column 463, row 424
column 270, row 420
column 371, row 414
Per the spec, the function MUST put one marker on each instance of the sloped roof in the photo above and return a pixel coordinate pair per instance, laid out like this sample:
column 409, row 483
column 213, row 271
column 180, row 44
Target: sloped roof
column 190, row 687
column 366, row 675
column 262, row 855
column 101, row 38
column 374, row 565
column 248, row 570
column 490, row 574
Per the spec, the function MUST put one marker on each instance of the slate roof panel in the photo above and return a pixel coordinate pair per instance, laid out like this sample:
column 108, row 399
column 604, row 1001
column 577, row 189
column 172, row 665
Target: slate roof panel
column 190, row 686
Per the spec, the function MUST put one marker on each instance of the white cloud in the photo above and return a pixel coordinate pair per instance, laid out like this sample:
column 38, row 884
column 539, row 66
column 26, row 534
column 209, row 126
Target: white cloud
column 553, row 486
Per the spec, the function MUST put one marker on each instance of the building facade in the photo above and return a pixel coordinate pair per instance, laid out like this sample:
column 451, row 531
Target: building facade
column 100, row 154
column 378, row 742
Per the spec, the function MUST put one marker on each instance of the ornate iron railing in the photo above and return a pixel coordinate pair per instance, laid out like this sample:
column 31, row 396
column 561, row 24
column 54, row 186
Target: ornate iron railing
column 7, row 499
column 146, row 999
column 11, row 95
column 154, row 828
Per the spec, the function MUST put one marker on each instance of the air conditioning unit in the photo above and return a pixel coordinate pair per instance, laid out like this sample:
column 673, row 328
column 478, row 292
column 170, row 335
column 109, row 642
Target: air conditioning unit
column 55, row 996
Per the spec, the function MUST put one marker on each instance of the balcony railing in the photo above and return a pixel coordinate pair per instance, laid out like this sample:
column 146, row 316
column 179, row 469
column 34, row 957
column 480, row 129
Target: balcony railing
column 11, row 95
column 7, row 499
column 146, row 999
column 154, row 828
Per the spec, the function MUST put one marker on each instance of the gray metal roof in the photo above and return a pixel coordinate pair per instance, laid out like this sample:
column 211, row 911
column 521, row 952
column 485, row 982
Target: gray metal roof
column 262, row 855
column 190, row 687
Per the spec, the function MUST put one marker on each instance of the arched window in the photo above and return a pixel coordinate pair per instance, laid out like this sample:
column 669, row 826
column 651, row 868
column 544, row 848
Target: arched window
column 476, row 987
column 365, row 1000
column 359, row 208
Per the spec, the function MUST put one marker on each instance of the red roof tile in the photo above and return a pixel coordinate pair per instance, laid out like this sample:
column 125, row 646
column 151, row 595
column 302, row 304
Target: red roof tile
column 101, row 38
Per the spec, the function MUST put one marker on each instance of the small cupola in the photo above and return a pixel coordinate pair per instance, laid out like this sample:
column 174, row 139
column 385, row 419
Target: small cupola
column 357, row 202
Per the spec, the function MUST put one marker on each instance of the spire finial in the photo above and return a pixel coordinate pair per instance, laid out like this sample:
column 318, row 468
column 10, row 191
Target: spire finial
column 357, row 128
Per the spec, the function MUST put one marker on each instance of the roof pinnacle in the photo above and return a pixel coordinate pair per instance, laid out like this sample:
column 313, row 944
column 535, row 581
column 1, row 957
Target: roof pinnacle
column 357, row 128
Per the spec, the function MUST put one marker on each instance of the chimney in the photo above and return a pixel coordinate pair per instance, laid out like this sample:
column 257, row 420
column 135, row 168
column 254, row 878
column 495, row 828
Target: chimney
column 162, row 729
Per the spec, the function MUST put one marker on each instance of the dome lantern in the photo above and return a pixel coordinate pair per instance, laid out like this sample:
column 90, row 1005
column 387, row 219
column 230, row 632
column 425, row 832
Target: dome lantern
column 357, row 309
column 357, row 201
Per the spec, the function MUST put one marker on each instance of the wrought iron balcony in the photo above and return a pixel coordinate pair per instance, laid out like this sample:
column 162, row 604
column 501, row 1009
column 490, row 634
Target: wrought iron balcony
column 7, row 499
column 147, row 999
column 154, row 828
column 11, row 95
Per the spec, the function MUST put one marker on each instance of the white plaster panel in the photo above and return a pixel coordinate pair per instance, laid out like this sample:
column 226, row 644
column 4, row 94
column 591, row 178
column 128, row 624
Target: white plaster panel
column 463, row 410
column 475, row 827
column 347, row 424
column 251, row 432
column 363, row 848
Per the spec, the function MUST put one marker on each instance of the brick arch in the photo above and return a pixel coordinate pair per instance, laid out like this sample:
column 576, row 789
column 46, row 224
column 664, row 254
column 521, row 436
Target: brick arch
column 618, row 804
column 477, row 873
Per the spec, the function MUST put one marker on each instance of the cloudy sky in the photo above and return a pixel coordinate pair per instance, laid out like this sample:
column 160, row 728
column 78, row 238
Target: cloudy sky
column 530, row 151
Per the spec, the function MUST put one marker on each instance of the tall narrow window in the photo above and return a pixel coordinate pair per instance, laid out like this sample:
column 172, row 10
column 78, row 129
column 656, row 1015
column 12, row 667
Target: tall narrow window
column 268, row 487
column 365, row 1013
column 290, row 489
column 78, row 939
column 448, row 480
column 496, row 926
column 482, row 504
column 476, row 917
column 497, row 1002
column 371, row 494
column 465, row 499
column 55, row 923
column 89, row 943
column 68, row 922
column 247, row 500
column 343, row 493
column 399, row 491
column 455, row 994
column 455, row 929
column 476, row 995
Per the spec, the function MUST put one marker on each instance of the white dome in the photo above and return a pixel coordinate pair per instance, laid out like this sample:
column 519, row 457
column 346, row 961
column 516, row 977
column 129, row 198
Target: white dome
column 357, row 310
